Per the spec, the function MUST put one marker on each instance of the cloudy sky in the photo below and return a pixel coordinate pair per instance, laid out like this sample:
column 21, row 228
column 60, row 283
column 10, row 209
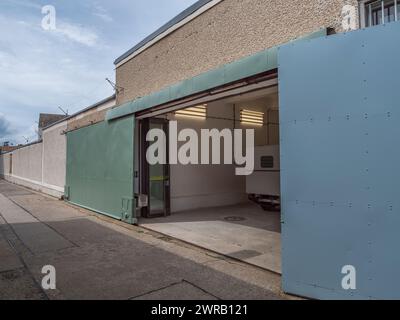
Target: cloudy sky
column 41, row 70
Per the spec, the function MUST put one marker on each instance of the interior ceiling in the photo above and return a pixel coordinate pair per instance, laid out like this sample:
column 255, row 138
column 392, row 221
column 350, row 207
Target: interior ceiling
column 245, row 97
column 253, row 95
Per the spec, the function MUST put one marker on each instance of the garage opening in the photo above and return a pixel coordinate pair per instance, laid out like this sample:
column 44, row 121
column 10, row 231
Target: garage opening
column 209, row 205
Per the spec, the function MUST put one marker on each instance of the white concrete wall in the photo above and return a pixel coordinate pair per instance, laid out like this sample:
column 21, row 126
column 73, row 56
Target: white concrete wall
column 42, row 166
column 39, row 166
column 4, row 165
column 2, row 159
column 54, row 156
column 200, row 186
column 27, row 163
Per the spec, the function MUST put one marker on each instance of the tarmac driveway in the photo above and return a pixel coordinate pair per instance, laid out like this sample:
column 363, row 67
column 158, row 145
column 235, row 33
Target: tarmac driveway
column 99, row 258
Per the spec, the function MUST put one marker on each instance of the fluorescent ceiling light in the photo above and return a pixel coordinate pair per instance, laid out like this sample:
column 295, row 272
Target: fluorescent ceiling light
column 199, row 112
column 252, row 117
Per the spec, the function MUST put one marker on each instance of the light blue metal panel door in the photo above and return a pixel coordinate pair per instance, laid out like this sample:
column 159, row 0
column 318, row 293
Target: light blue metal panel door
column 340, row 134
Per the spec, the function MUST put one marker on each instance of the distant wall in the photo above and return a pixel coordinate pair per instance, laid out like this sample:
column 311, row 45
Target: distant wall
column 27, row 163
column 4, row 165
column 54, row 156
column 39, row 166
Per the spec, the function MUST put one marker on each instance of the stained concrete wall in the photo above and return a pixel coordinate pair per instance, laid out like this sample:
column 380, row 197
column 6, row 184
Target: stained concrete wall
column 27, row 163
column 4, row 165
column 54, row 156
column 39, row 166
column 227, row 32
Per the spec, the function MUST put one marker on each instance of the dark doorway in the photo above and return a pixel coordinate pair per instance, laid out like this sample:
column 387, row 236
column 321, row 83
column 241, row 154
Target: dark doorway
column 155, row 179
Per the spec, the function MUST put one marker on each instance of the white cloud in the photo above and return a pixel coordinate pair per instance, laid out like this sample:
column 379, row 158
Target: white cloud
column 102, row 13
column 77, row 33
column 25, row 3
column 104, row 16
column 42, row 70
column 4, row 126
column 4, row 60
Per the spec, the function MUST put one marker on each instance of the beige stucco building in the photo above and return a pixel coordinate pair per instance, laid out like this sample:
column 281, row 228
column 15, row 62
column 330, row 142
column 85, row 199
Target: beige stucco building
column 220, row 32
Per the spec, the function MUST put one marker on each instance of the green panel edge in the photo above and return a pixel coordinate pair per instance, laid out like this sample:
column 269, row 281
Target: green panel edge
column 260, row 62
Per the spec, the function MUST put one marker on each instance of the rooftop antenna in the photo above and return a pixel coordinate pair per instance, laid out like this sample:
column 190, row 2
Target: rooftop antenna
column 116, row 88
column 63, row 111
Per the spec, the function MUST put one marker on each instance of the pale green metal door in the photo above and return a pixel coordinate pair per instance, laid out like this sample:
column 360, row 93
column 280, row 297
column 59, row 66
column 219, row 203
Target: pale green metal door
column 100, row 162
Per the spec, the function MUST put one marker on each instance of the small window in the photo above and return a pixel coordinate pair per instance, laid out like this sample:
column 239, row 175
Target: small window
column 267, row 162
column 379, row 12
column 252, row 117
column 199, row 112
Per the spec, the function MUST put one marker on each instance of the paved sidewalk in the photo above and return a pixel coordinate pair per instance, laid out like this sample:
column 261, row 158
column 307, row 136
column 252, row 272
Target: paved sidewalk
column 99, row 258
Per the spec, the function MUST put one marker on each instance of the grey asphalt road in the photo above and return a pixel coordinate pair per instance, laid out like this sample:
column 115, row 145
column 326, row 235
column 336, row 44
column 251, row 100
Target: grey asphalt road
column 99, row 258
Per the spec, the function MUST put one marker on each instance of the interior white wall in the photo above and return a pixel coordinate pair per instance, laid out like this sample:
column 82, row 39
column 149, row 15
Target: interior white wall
column 269, row 133
column 198, row 186
column 201, row 186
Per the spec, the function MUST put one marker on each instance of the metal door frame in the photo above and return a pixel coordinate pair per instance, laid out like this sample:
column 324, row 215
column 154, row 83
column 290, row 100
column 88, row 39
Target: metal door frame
column 144, row 176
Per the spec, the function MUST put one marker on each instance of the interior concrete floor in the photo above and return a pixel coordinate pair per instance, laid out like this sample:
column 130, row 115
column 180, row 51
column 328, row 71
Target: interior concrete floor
column 244, row 232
